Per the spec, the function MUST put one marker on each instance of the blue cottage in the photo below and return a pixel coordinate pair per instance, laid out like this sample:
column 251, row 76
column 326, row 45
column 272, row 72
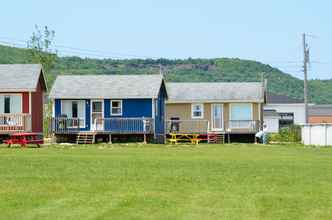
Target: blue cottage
column 117, row 105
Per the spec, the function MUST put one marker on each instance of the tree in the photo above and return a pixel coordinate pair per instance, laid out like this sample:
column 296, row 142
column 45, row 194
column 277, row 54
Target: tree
column 40, row 50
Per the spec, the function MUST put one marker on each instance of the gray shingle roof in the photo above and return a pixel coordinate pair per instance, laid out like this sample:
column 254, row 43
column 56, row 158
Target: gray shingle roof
column 106, row 86
column 320, row 110
column 186, row 92
column 19, row 77
column 273, row 98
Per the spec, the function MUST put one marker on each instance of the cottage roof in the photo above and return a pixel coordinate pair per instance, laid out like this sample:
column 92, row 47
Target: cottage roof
column 106, row 86
column 320, row 110
column 20, row 77
column 215, row 91
column 272, row 98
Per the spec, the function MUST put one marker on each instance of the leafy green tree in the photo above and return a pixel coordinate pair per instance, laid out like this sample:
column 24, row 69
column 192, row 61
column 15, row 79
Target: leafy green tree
column 40, row 50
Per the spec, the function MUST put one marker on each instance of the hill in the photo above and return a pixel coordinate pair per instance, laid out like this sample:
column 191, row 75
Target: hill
column 180, row 70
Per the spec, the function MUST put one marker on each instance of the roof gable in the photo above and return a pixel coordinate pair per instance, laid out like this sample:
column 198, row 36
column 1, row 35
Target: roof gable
column 21, row 77
column 224, row 91
column 106, row 86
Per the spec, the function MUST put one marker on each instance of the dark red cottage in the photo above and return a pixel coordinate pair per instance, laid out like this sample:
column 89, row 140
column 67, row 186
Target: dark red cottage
column 22, row 89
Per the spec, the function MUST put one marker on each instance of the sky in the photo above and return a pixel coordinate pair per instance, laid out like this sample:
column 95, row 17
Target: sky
column 262, row 30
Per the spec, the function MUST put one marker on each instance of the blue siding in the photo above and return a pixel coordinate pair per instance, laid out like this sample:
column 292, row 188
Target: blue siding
column 107, row 108
column 160, row 116
column 137, row 108
column 57, row 107
column 130, row 108
column 87, row 115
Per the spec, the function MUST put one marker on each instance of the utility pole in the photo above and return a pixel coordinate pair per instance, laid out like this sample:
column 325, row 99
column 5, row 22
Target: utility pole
column 305, row 79
column 160, row 69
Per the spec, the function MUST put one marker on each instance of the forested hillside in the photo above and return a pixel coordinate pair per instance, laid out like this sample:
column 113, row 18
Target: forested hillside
column 193, row 70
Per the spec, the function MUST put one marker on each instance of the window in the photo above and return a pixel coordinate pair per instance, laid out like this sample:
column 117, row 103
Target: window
column 217, row 117
column 241, row 115
column 10, row 104
column 74, row 109
column 7, row 104
column 197, row 111
column 116, row 107
column 286, row 119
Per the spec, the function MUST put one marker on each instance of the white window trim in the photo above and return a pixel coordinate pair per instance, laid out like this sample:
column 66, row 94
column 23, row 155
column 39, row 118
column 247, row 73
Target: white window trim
column 222, row 115
column 111, row 112
column 192, row 111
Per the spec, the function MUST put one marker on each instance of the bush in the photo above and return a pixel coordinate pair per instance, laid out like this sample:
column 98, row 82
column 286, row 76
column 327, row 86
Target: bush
column 288, row 134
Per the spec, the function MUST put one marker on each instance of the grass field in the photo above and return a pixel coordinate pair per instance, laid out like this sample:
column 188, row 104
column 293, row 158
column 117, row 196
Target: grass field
column 166, row 182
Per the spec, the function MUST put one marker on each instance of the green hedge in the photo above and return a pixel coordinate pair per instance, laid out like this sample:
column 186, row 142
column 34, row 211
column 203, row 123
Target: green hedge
column 288, row 134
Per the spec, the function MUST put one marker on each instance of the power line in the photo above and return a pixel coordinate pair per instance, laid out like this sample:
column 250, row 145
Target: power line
column 81, row 51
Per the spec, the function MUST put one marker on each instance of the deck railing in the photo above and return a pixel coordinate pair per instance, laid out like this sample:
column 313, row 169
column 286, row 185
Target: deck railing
column 187, row 126
column 245, row 125
column 109, row 125
column 66, row 125
column 203, row 126
column 124, row 125
column 15, row 123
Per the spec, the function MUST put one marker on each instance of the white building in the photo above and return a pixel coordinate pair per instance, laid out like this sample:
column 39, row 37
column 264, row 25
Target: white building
column 282, row 111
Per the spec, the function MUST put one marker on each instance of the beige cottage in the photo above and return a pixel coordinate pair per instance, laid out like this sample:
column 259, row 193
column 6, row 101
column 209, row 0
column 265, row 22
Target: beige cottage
column 235, row 108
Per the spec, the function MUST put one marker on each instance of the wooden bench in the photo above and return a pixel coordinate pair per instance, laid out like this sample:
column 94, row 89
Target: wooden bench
column 24, row 138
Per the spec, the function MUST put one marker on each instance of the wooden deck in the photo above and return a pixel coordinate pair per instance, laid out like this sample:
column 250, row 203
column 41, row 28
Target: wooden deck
column 14, row 123
column 116, row 126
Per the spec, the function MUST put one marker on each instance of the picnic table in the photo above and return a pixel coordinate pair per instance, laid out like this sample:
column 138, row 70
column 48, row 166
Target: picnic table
column 192, row 138
column 24, row 138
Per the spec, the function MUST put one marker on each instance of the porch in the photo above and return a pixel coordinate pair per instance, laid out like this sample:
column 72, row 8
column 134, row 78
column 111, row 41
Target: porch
column 212, row 132
column 11, row 123
column 64, row 125
column 205, row 126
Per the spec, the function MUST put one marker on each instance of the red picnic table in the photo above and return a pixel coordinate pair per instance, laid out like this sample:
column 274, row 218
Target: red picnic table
column 24, row 138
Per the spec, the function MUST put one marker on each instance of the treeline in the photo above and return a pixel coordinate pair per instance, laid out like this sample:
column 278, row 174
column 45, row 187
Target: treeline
column 181, row 70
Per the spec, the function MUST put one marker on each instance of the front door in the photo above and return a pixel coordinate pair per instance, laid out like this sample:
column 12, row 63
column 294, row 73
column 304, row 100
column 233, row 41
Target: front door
column 97, row 122
column 217, row 117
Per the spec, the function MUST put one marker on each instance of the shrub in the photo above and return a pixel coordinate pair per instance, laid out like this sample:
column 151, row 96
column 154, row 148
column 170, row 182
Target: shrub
column 287, row 134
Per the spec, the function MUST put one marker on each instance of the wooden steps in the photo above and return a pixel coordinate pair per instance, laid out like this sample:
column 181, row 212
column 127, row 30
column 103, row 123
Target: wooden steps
column 85, row 138
column 216, row 138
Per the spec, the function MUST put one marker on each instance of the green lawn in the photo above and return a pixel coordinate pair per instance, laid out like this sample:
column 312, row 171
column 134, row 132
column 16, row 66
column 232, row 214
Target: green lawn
column 166, row 182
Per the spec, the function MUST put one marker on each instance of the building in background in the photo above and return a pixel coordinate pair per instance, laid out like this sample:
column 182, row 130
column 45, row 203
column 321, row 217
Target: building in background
column 319, row 114
column 282, row 111
column 231, row 109
column 22, row 90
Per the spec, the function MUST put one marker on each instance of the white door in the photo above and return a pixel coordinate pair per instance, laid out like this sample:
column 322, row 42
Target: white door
column 97, row 114
column 217, row 117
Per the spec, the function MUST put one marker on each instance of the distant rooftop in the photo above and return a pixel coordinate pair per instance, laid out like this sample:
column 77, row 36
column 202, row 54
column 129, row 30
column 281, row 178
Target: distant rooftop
column 320, row 110
column 273, row 98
